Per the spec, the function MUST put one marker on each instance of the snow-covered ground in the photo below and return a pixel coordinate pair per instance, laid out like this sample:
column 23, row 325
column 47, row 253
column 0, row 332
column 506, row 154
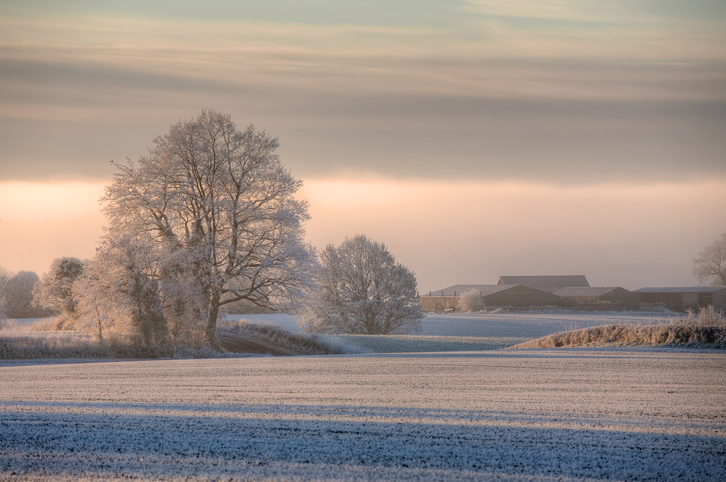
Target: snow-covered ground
column 514, row 325
column 621, row 414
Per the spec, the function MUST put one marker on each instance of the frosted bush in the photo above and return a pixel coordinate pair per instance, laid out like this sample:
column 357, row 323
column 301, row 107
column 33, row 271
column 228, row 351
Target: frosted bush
column 707, row 316
column 470, row 301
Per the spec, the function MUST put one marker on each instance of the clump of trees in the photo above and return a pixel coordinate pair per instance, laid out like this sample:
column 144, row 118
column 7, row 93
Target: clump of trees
column 360, row 288
column 710, row 265
column 119, row 295
column 209, row 217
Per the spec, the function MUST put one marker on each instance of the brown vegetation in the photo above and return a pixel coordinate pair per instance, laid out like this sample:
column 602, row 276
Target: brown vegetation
column 54, row 338
column 64, row 345
column 278, row 341
column 705, row 329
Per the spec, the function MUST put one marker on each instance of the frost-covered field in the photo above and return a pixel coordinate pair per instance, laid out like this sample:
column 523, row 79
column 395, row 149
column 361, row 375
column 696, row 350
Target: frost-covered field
column 621, row 414
column 528, row 325
column 489, row 325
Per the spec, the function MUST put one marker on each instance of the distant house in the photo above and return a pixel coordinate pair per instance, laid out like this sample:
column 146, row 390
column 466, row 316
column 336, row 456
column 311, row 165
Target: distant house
column 683, row 298
column 514, row 296
column 546, row 283
column 612, row 297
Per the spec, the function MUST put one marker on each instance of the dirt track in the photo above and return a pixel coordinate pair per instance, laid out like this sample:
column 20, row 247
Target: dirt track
column 240, row 344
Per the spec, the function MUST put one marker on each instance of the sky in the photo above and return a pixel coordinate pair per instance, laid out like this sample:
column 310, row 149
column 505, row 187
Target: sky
column 475, row 138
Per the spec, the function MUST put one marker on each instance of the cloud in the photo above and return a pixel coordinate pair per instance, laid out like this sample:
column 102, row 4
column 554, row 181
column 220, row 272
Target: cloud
column 624, row 12
column 564, row 10
column 488, row 99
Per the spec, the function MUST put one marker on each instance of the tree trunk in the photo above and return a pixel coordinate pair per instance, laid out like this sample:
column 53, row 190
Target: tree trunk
column 213, row 315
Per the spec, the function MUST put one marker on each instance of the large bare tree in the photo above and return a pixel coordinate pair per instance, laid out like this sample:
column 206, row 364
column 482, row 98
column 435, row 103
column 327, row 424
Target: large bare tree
column 710, row 265
column 221, row 211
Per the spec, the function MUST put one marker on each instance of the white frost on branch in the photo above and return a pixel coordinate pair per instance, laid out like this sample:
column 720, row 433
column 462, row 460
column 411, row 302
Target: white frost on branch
column 218, row 211
column 361, row 289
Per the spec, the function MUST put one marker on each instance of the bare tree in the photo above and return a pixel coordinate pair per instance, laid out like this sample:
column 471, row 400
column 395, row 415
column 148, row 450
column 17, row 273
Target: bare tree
column 220, row 210
column 5, row 275
column 54, row 289
column 361, row 289
column 118, row 294
column 710, row 265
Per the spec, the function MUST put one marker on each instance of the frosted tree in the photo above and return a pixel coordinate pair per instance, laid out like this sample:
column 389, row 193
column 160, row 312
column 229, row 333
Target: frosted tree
column 54, row 289
column 470, row 301
column 118, row 293
column 220, row 210
column 5, row 275
column 710, row 265
column 361, row 289
column 19, row 296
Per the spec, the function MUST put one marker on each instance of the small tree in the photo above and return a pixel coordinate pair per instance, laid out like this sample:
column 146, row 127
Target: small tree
column 119, row 294
column 470, row 301
column 19, row 296
column 361, row 289
column 54, row 289
column 710, row 265
column 5, row 275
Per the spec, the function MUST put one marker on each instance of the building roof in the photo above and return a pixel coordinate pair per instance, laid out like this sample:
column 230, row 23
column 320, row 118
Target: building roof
column 687, row 289
column 546, row 283
column 573, row 291
column 458, row 290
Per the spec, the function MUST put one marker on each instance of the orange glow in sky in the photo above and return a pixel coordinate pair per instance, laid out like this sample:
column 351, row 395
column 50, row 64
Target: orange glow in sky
column 446, row 232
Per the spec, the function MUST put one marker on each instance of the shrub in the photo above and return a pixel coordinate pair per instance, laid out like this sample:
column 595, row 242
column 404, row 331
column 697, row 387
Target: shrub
column 470, row 301
column 707, row 316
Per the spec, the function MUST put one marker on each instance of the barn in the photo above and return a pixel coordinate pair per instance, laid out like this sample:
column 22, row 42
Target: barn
column 546, row 283
column 600, row 298
column 683, row 298
column 514, row 296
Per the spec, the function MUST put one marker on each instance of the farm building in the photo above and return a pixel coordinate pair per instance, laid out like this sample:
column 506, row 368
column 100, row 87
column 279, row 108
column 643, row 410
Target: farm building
column 546, row 283
column 494, row 295
column 681, row 299
column 600, row 297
